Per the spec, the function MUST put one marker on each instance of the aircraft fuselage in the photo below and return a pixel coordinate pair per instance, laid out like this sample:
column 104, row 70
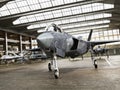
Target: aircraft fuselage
column 62, row 43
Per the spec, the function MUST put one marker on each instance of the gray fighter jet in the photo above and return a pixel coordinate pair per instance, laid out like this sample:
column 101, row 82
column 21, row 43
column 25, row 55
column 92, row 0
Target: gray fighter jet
column 56, row 43
column 99, row 51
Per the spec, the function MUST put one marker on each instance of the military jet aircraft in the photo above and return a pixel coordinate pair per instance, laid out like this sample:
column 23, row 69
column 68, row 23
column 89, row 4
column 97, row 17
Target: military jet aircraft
column 56, row 43
column 99, row 51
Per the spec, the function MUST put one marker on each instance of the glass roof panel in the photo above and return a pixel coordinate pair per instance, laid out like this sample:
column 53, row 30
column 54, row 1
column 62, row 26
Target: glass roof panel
column 85, row 24
column 34, row 7
column 29, row 5
column 85, row 28
column 20, row 6
column 82, row 18
column 57, row 2
column 70, row 11
column 46, row 4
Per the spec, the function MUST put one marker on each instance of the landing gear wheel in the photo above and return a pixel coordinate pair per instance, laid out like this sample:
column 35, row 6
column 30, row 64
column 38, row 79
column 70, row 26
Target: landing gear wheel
column 49, row 67
column 56, row 74
column 95, row 64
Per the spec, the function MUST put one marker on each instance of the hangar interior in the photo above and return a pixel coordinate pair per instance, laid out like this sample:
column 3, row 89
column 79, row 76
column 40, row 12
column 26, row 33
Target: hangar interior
column 22, row 20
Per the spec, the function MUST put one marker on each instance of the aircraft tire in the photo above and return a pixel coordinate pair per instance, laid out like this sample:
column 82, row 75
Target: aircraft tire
column 56, row 74
column 95, row 64
column 49, row 67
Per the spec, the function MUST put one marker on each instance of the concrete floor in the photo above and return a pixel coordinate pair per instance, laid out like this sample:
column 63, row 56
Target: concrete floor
column 75, row 75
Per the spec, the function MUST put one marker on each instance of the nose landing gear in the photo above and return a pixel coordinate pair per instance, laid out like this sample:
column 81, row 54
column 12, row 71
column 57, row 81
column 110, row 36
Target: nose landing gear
column 55, row 67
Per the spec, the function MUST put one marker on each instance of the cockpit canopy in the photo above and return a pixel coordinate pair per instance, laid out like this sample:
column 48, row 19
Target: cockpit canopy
column 54, row 27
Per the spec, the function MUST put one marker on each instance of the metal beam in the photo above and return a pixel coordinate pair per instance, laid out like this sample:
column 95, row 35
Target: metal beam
column 12, row 31
column 30, row 40
column 5, row 46
column 20, row 44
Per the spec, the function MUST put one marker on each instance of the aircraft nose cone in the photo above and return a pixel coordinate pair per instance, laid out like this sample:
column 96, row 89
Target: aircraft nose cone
column 45, row 40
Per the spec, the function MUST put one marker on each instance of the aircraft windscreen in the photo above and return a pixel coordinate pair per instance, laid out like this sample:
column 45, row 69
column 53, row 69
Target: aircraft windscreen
column 53, row 27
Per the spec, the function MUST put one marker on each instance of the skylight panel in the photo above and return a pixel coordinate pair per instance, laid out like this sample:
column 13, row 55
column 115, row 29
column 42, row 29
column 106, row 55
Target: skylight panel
column 3, row 8
column 33, row 26
column 14, row 11
column 115, row 32
column 89, row 17
column 38, row 18
column 107, row 15
column 43, row 0
column 84, row 24
column 107, row 6
column 86, row 8
column 73, row 20
column 96, row 5
column 23, row 21
column 12, row 5
column 57, row 2
column 66, row 12
column 43, row 25
column 30, row 2
column 46, row 4
column 65, row 21
column 69, row 1
column 48, row 15
column 41, row 16
column 81, row 18
column 31, row 18
column 57, row 13
column 76, row 10
column 24, row 9
column 80, row 0
column 34, row 6
column 16, row 22
column 4, row 13
column 21, row 3
column 106, row 21
column 85, row 28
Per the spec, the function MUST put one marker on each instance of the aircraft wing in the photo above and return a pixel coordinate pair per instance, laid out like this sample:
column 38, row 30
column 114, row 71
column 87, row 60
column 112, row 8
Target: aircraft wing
column 93, row 43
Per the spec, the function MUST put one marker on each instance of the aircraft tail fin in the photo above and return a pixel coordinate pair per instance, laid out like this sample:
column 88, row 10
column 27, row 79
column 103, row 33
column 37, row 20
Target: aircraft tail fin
column 90, row 35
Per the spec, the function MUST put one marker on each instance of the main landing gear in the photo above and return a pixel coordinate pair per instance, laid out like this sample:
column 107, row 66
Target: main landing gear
column 95, row 64
column 94, row 61
column 53, row 66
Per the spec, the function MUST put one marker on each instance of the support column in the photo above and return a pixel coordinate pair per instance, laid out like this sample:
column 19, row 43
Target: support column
column 30, row 40
column 5, row 43
column 20, row 43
